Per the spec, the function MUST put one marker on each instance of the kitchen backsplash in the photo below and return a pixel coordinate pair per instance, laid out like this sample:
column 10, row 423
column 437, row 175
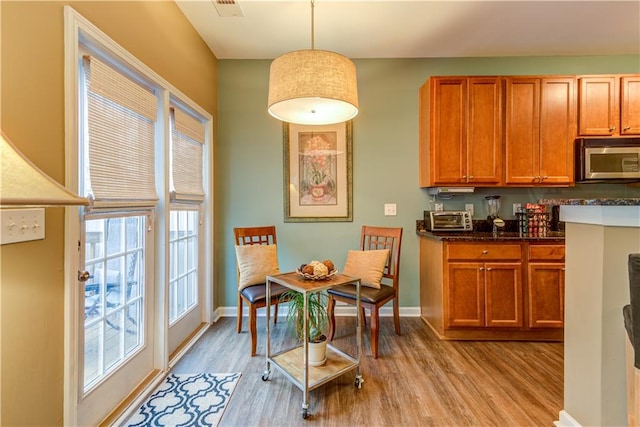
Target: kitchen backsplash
column 509, row 196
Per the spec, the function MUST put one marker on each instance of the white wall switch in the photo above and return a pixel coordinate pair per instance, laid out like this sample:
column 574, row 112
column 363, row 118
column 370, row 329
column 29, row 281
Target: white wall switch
column 469, row 208
column 439, row 207
column 390, row 209
column 21, row 225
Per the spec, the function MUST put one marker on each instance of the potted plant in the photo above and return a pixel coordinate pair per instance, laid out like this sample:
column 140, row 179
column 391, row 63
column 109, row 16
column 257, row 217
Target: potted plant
column 318, row 320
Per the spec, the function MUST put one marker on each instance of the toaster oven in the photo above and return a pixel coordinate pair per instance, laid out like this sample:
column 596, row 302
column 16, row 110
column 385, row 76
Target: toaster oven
column 448, row 221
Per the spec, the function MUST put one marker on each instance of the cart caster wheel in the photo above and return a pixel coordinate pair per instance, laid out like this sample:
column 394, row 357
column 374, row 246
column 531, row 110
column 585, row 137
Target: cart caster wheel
column 358, row 382
column 265, row 376
column 305, row 414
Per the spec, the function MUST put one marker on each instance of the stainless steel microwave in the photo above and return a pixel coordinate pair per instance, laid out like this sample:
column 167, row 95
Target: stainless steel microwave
column 448, row 221
column 607, row 159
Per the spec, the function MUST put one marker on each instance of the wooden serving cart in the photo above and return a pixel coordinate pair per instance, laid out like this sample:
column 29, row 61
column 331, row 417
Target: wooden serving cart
column 294, row 363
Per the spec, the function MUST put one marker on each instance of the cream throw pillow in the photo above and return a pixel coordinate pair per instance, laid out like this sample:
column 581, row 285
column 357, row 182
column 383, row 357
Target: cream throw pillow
column 367, row 265
column 255, row 263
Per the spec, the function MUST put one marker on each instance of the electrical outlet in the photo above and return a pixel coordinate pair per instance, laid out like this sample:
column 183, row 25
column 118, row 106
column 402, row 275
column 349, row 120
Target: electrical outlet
column 21, row 225
column 439, row 207
column 469, row 208
column 516, row 208
column 390, row 209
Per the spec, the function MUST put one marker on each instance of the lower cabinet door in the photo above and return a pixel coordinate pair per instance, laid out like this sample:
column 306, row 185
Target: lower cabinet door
column 503, row 282
column 546, row 295
column 464, row 295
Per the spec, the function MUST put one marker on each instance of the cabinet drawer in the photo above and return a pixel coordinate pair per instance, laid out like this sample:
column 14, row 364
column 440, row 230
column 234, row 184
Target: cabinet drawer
column 546, row 253
column 482, row 252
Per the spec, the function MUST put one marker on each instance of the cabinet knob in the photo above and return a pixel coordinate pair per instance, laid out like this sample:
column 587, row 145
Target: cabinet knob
column 471, row 177
column 489, row 269
column 464, row 176
column 627, row 127
column 484, row 252
column 481, row 269
column 612, row 128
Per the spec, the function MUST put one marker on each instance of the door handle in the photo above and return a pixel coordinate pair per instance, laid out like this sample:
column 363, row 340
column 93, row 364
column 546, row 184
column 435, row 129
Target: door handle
column 83, row 276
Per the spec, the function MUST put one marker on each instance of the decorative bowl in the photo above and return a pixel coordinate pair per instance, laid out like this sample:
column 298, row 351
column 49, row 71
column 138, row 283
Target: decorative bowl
column 316, row 277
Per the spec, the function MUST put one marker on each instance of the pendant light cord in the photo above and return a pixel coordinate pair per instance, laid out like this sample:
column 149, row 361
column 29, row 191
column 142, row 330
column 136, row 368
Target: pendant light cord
column 312, row 26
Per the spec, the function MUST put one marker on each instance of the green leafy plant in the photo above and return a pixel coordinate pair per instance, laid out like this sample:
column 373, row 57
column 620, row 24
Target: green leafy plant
column 317, row 309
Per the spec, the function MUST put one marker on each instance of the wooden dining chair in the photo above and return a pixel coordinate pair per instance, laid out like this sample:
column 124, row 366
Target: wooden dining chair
column 374, row 238
column 256, row 258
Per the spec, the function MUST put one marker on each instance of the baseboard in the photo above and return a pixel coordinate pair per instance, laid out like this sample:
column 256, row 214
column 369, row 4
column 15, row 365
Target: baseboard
column 341, row 310
column 566, row 420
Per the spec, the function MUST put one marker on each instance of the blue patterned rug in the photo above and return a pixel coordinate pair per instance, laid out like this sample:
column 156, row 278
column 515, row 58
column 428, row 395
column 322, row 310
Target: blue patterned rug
column 187, row 400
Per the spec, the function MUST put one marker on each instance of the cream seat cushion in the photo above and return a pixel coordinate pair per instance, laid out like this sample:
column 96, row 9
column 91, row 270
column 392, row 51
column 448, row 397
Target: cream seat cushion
column 367, row 265
column 255, row 263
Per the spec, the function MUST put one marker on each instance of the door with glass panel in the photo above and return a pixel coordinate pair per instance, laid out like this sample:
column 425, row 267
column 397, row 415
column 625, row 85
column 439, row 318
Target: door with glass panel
column 117, row 340
column 185, row 285
column 186, row 277
column 116, row 335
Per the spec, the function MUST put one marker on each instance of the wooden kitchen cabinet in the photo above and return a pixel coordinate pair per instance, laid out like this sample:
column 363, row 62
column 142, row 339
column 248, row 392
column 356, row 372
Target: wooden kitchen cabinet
column 461, row 131
column 546, row 286
column 492, row 290
column 483, row 294
column 540, row 130
column 609, row 105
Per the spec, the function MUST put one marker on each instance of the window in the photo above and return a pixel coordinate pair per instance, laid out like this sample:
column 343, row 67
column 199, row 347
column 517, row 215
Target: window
column 187, row 194
column 183, row 276
column 114, row 294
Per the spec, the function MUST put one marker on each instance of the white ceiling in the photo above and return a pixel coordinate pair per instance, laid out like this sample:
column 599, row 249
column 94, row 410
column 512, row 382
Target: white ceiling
column 417, row 28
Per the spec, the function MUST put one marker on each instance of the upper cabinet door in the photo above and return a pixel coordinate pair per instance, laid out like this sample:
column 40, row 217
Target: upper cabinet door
column 522, row 130
column 557, row 130
column 448, row 131
column 599, row 106
column 484, row 131
column 630, row 105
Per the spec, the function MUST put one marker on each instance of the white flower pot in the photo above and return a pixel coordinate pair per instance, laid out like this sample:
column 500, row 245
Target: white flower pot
column 317, row 353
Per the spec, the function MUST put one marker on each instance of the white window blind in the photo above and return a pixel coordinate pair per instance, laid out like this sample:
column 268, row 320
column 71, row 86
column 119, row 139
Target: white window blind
column 121, row 122
column 187, row 139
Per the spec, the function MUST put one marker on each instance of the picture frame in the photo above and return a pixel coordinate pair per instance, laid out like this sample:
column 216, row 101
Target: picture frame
column 318, row 176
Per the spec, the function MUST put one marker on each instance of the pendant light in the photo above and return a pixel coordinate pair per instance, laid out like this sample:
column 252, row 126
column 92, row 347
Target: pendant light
column 23, row 184
column 313, row 87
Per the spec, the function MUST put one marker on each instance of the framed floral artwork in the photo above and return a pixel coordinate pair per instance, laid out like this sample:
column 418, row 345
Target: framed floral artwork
column 318, row 172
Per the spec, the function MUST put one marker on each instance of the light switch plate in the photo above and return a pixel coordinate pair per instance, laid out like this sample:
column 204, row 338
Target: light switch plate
column 390, row 209
column 469, row 208
column 21, row 225
column 439, row 207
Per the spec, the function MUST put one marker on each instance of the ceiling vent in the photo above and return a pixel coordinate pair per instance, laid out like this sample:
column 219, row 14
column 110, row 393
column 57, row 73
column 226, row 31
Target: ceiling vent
column 228, row 8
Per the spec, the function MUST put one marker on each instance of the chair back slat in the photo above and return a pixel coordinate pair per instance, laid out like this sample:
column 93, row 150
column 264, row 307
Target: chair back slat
column 374, row 238
column 255, row 235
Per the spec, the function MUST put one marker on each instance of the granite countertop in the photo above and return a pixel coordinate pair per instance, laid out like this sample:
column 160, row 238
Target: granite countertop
column 484, row 236
column 593, row 202
column 481, row 233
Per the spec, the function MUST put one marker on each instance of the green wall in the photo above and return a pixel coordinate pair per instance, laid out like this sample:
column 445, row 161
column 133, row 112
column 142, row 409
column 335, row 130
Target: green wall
column 249, row 166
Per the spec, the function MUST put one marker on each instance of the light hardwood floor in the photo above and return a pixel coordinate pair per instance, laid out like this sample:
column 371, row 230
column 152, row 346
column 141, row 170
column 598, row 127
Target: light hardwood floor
column 417, row 380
